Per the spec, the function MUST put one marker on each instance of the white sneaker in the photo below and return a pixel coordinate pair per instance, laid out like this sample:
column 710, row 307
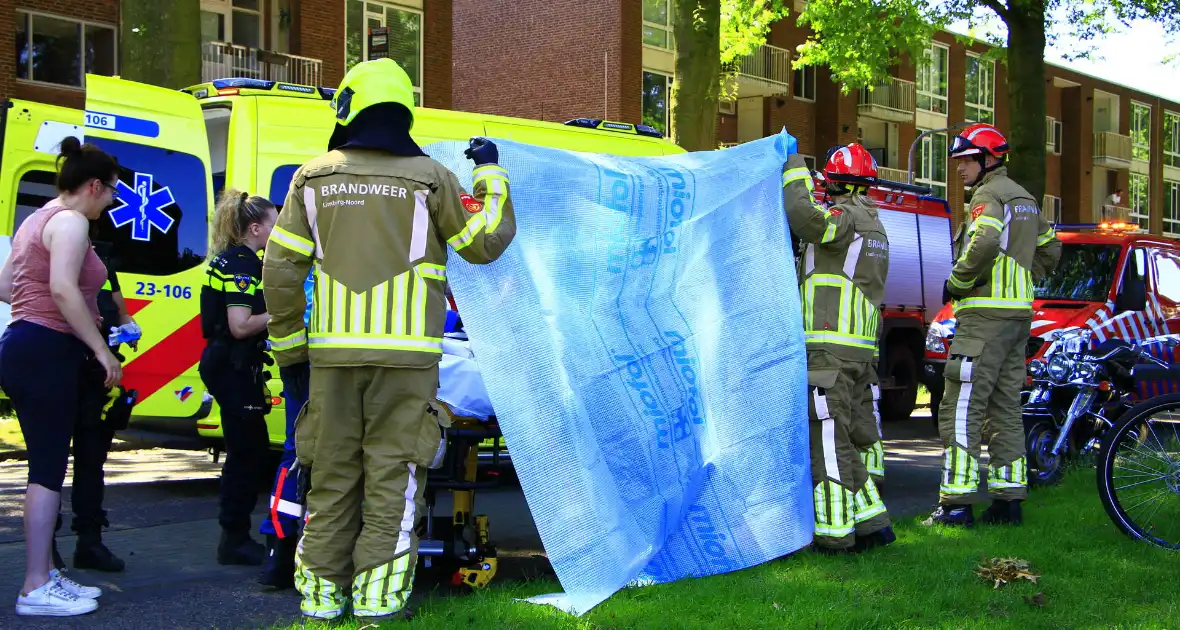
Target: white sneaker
column 85, row 592
column 53, row 600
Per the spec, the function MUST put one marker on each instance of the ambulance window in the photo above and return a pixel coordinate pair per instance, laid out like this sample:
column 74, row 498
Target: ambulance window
column 1167, row 270
column 280, row 183
column 217, row 130
column 36, row 188
column 158, row 225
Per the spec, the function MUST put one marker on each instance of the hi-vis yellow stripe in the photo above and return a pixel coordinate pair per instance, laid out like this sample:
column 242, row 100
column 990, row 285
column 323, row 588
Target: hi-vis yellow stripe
column 391, row 315
column 858, row 319
column 291, row 241
column 495, row 181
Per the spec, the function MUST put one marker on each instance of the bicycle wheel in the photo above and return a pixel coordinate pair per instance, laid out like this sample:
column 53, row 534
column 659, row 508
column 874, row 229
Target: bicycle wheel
column 1139, row 472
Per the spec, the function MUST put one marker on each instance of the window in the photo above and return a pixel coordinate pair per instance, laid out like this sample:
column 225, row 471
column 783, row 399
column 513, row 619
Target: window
column 657, row 89
column 1172, row 208
column 931, row 167
column 1172, row 139
column 1052, row 135
column 1167, row 272
column 232, row 21
column 57, row 50
column 1140, row 200
column 932, row 79
column 657, row 24
column 980, row 79
column 804, row 80
column 809, row 160
column 1141, row 131
column 403, row 40
column 1051, row 208
column 36, row 188
column 1085, row 272
column 169, row 237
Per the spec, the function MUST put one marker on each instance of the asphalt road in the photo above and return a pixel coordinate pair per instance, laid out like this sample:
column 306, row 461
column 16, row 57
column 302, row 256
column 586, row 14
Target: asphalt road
column 162, row 506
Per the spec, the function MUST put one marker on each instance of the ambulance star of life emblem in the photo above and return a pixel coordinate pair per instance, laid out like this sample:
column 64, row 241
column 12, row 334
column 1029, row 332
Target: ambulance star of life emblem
column 470, row 203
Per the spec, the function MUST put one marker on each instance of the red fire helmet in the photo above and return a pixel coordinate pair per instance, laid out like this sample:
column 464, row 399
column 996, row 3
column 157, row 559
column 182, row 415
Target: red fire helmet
column 852, row 164
column 979, row 138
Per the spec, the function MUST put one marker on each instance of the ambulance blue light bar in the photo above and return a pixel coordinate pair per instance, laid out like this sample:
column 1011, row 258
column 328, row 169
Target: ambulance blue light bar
column 606, row 125
column 250, row 84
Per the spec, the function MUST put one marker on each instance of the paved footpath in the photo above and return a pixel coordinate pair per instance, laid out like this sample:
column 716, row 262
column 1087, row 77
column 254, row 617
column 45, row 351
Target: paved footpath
column 162, row 506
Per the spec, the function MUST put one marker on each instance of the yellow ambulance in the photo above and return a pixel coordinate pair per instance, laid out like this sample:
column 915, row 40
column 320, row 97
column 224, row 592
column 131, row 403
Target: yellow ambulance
column 177, row 150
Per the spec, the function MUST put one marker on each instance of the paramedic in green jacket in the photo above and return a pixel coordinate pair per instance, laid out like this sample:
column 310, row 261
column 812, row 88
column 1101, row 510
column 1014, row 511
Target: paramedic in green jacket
column 1001, row 249
column 843, row 266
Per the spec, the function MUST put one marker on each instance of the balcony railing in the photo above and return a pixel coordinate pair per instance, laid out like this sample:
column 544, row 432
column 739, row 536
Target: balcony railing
column 1112, row 150
column 892, row 174
column 764, row 72
column 894, row 101
column 221, row 60
column 1114, row 214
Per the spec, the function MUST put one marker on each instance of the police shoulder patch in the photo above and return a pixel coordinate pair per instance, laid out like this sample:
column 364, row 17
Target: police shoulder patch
column 471, row 204
column 243, row 281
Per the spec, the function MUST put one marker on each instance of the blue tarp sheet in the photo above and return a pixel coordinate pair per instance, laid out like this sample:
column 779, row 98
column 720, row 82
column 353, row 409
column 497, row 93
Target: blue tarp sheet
column 641, row 343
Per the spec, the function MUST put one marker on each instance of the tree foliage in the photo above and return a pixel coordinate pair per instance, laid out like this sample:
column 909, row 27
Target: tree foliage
column 696, row 26
column 161, row 42
column 858, row 41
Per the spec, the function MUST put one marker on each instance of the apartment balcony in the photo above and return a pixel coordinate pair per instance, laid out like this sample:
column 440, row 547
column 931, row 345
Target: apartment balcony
column 764, row 72
column 893, row 174
column 894, row 101
column 1112, row 150
column 221, row 60
column 1114, row 214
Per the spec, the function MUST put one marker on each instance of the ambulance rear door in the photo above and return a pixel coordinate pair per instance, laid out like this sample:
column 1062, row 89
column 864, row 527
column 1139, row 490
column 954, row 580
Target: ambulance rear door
column 31, row 141
column 158, row 230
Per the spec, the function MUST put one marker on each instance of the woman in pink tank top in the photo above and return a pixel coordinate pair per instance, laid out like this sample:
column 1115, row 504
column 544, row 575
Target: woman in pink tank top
column 48, row 355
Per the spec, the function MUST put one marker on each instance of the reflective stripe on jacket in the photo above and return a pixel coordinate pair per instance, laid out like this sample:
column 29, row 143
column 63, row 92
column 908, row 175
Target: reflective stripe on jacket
column 373, row 229
column 843, row 266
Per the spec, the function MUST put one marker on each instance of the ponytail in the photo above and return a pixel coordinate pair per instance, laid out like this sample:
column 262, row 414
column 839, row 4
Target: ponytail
column 236, row 210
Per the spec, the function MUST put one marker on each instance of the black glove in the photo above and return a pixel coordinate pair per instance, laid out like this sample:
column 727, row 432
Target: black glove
column 482, row 151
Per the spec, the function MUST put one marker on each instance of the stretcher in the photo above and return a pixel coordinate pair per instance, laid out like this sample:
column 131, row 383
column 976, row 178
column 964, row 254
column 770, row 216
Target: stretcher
column 470, row 433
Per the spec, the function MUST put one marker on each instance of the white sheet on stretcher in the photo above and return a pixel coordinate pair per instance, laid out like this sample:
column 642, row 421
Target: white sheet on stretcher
column 460, row 383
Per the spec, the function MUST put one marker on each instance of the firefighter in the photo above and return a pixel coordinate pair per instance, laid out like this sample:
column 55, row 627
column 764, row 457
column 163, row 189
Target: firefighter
column 281, row 528
column 233, row 322
column 843, row 268
column 1001, row 249
column 373, row 218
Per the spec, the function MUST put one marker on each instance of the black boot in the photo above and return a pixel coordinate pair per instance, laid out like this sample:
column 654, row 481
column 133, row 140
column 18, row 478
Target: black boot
column 1002, row 512
column 89, row 552
column 240, row 549
column 279, row 569
column 954, row 515
column 879, row 538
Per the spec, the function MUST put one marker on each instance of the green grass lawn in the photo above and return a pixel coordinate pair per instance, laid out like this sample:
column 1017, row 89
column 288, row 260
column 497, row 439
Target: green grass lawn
column 1091, row 576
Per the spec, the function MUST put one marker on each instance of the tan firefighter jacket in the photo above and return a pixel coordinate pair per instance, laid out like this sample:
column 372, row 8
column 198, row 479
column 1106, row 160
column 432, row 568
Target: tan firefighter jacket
column 842, row 268
column 375, row 228
column 1001, row 249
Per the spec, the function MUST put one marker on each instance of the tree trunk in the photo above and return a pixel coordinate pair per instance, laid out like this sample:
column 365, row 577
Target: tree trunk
column 1026, row 95
column 697, row 85
column 161, row 42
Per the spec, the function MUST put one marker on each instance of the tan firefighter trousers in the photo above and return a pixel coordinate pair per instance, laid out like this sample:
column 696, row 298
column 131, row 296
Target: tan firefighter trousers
column 846, row 501
column 368, row 439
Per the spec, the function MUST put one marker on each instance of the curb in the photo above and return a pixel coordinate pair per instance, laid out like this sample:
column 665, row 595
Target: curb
column 23, row 454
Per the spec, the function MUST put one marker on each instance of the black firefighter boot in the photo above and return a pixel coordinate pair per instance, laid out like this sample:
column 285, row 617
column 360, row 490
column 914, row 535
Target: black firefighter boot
column 1002, row 512
column 90, row 553
column 279, row 569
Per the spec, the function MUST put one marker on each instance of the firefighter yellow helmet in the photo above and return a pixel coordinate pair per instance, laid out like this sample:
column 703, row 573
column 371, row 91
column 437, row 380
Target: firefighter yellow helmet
column 369, row 83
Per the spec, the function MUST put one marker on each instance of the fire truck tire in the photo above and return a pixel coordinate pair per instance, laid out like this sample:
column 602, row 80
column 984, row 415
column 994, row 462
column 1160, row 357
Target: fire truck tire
column 898, row 403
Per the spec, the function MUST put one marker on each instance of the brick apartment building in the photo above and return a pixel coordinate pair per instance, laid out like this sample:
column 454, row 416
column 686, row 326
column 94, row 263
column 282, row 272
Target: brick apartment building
column 615, row 59
column 303, row 41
